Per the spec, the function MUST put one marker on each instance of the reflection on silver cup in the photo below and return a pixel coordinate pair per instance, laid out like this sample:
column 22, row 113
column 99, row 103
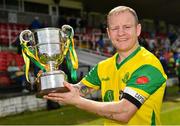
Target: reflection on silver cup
column 47, row 48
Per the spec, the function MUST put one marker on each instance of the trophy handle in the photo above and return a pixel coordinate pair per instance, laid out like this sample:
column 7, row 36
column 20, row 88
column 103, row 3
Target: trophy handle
column 68, row 33
column 29, row 52
column 68, row 30
column 28, row 34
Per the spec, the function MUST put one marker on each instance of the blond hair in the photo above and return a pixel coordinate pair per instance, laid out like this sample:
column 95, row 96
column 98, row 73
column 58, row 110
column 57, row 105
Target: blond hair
column 120, row 9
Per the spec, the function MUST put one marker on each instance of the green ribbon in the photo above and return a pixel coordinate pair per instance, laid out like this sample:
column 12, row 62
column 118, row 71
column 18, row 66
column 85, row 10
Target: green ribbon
column 69, row 62
column 71, row 69
column 33, row 52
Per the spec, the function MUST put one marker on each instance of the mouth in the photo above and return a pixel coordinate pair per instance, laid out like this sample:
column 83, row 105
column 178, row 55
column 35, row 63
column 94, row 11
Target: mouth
column 121, row 39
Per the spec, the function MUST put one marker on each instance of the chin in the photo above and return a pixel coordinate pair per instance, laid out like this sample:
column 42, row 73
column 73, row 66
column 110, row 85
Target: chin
column 122, row 47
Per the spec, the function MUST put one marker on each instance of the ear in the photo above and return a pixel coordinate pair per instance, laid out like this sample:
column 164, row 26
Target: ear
column 107, row 29
column 138, row 30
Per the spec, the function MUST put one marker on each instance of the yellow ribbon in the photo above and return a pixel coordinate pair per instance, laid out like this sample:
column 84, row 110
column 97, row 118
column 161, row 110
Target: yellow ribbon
column 73, row 56
column 27, row 62
column 26, row 53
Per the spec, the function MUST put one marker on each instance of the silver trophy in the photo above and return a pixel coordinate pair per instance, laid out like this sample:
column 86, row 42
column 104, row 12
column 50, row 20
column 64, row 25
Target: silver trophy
column 47, row 48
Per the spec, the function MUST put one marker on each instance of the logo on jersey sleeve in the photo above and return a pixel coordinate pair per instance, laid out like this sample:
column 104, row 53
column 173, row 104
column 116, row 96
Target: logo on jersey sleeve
column 142, row 80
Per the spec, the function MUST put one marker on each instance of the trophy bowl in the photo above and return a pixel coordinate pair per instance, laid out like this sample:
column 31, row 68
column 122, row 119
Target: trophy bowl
column 47, row 47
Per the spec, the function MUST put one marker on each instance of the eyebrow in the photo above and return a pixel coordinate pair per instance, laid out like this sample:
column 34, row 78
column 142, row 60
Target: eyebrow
column 122, row 25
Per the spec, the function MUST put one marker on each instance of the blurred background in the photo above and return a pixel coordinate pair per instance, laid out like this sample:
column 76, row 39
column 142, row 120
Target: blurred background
column 18, row 102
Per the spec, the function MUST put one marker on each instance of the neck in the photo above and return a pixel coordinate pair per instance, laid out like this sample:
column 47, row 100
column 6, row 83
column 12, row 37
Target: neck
column 124, row 54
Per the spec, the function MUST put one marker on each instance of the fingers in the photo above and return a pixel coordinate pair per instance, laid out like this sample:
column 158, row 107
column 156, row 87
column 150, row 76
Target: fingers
column 60, row 95
column 63, row 97
column 68, row 85
column 56, row 99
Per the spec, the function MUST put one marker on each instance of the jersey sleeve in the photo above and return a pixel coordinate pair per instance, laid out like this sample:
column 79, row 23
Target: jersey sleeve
column 142, row 83
column 92, row 79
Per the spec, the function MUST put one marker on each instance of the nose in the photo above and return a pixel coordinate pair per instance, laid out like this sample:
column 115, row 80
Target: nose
column 121, row 31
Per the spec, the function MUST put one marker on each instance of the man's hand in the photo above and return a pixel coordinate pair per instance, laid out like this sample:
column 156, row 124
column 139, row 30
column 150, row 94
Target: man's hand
column 120, row 111
column 70, row 97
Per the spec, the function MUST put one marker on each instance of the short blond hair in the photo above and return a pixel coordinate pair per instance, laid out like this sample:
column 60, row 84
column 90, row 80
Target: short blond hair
column 120, row 9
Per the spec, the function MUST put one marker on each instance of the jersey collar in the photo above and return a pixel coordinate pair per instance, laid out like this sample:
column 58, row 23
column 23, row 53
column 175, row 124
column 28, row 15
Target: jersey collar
column 126, row 59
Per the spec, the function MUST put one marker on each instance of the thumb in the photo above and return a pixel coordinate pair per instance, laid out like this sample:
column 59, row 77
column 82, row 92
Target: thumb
column 68, row 86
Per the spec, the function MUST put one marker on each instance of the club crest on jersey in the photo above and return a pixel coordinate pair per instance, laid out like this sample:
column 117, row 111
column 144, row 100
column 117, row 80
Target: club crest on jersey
column 126, row 77
column 142, row 80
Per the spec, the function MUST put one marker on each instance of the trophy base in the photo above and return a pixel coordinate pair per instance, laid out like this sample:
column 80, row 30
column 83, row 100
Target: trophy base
column 41, row 93
column 51, row 82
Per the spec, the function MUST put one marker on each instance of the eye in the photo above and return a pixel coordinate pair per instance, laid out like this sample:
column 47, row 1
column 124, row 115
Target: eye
column 114, row 28
column 127, row 27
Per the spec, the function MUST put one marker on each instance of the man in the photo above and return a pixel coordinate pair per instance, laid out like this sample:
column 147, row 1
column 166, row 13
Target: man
column 132, row 81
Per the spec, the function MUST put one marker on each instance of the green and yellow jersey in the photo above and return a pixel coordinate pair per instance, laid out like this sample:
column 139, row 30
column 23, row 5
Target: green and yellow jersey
column 139, row 78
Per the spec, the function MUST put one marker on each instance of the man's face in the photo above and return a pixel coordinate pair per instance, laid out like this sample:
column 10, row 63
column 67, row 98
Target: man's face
column 123, row 31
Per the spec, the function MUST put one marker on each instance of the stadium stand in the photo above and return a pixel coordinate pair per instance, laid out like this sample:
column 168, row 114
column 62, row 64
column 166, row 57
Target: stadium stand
column 6, row 83
column 9, row 32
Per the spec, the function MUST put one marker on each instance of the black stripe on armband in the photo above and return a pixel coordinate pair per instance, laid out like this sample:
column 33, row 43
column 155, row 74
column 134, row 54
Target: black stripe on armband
column 132, row 100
